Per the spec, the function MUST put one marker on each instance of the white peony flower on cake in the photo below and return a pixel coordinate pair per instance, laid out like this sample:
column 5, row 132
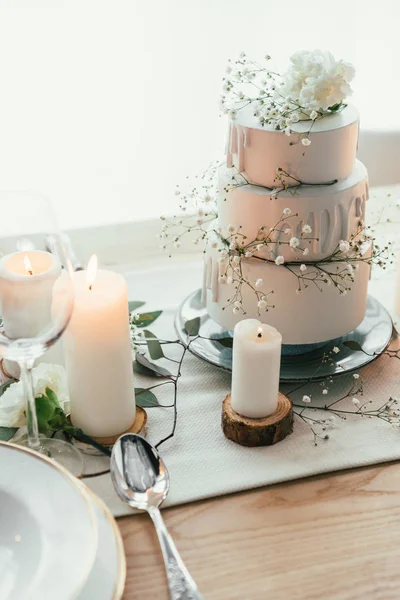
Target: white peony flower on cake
column 13, row 403
column 316, row 81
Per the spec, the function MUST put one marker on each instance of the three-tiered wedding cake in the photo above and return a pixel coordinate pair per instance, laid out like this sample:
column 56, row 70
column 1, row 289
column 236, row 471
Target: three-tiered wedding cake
column 289, row 247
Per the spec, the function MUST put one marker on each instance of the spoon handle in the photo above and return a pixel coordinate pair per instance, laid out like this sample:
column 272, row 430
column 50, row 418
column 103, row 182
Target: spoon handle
column 180, row 582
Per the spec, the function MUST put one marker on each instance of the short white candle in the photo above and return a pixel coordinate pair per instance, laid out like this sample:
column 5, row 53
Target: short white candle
column 255, row 369
column 98, row 355
column 26, row 292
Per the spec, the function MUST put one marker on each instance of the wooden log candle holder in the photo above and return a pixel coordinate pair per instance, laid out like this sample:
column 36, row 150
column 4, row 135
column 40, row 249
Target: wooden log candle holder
column 258, row 432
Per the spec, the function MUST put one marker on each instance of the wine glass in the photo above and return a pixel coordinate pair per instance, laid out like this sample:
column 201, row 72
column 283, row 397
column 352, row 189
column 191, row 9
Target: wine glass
column 36, row 303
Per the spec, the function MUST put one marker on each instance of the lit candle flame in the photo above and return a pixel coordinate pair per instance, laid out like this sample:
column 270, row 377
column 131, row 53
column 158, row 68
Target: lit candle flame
column 91, row 271
column 28, row 265
column 259, row 332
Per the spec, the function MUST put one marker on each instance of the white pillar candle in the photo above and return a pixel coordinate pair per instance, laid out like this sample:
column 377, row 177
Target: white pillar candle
column 255, row 369
column 98, row 355
column 26, row 292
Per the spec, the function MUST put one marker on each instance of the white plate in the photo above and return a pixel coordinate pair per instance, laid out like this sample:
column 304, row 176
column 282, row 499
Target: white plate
column 106, row 580
column 48, row 533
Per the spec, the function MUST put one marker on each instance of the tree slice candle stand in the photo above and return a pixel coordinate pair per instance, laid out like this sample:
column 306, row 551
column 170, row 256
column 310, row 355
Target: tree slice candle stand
column 137, row 427
column 258, row 432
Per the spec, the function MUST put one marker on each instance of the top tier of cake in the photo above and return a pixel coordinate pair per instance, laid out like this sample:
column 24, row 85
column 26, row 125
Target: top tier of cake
column 258, row 151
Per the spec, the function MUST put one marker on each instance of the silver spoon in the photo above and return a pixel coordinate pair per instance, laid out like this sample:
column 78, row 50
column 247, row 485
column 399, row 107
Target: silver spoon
column 141, row 480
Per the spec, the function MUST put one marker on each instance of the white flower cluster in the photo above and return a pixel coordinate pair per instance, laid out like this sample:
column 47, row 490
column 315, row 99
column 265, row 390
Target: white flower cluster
column 13, row 402
column 317, row 82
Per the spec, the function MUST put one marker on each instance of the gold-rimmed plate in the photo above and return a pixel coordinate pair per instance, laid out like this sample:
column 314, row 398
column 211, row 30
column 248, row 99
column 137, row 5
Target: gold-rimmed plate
column 106, row 580
column 48, row 528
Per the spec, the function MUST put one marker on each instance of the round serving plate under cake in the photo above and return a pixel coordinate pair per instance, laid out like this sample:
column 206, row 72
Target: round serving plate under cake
column 373, row 335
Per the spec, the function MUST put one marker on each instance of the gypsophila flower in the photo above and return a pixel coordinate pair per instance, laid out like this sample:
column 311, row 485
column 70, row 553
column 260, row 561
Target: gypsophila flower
column 235, row 310
column 305, row 251
column 306, row 141
column 344, row 246
column 288, row 231
column 325, row 391
column 248, row 254
column 303, row 268
column 259, row 282
column 336, row 350
column 177, row 244
column 279, row 260
column 287, row 212
column 294, row 242
column 306, row 399
column 356, row 401
column 288, row 131
column 262, row 304
column 231, row 229
column 356, row 376
column 313, row 115
column 307, row 229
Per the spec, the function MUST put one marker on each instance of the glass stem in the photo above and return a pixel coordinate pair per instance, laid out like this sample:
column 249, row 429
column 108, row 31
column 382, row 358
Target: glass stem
column 31, row 417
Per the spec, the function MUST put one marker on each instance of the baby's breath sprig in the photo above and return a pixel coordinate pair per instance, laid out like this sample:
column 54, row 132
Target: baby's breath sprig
column 285, row 182
column 198, row 208
column 251, row 83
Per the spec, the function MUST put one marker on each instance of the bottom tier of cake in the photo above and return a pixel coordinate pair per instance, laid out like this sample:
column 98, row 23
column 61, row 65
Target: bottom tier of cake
column 317, row 314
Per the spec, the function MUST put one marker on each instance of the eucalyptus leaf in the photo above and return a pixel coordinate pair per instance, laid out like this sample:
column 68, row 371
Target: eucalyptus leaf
column 145, row 398
column 6, row 433
column 353, row 345
column 154, row 346
column 192, row 326
column 146, row 319
column 227, row 342
column 149, row 368
column 135, row 304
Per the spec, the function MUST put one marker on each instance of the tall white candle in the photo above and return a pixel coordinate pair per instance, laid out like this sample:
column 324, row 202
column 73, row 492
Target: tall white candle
column 255, row 369
column 98, row 355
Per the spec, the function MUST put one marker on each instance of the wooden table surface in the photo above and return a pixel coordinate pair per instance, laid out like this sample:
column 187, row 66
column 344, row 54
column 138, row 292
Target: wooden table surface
column 328, row 537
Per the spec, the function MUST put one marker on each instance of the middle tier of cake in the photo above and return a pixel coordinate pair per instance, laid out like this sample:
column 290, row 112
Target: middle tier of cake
column 332, row 213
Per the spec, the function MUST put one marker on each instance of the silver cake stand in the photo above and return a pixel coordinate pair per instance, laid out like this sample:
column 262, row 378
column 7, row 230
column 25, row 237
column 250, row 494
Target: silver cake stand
column 373, row 335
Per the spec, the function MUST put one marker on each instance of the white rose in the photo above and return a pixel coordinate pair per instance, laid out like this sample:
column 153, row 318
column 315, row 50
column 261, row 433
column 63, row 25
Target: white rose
column 13, row 403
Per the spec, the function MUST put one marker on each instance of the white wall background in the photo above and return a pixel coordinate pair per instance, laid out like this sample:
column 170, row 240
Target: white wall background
column 106, row 104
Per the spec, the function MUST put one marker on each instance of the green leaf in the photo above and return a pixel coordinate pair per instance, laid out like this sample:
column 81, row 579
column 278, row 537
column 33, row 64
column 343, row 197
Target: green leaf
column 135, row 304
column 353, row 345
column 45, row 410
column 145, row 398
column 146, row 319
column 6, row 433
column 151, row 369
column 52, row 396
column 154, row 346
column 227, row 342
column 192, row 326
